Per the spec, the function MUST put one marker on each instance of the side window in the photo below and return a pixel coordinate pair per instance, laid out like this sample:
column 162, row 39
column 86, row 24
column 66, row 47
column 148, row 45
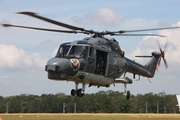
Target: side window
column 91, row 52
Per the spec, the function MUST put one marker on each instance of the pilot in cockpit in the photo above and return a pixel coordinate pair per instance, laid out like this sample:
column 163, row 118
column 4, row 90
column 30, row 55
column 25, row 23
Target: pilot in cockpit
column 79, row 51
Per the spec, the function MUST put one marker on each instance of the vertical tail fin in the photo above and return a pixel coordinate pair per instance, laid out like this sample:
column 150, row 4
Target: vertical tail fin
column 153, row 63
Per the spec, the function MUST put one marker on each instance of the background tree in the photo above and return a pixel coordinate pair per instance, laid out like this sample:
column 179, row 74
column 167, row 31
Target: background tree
column 100, row 102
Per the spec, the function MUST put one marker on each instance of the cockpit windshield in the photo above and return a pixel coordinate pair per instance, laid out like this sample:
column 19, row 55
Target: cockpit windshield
column 78, row 51
column 63, row 50
column 74, row 51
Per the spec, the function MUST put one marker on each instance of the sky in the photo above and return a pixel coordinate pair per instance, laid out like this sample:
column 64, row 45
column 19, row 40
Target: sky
column 24, row 53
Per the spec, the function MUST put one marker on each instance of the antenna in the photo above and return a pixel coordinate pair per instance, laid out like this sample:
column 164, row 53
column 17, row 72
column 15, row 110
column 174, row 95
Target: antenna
column 146, row 107
column 74, row 107
column 7, row 107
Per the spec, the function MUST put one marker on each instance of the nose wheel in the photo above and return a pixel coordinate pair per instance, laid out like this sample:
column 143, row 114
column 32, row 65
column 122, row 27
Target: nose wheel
column 78, row 92
column 73, row 92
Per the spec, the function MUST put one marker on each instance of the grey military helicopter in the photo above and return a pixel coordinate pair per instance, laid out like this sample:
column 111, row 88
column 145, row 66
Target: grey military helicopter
column 96, row 60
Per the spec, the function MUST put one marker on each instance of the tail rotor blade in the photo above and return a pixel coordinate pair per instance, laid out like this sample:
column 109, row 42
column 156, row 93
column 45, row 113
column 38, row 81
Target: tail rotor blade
column 165, row 63
column 159, row 46
column 165, row 47
column 159, row 61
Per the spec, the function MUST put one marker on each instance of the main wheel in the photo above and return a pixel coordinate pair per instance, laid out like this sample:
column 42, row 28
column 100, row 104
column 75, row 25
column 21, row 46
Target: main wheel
column 128, row 95
column 73, row 92
column 80, row 93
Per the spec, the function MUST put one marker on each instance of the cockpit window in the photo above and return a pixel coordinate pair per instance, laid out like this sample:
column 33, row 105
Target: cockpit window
column 63, row 50
column 79, row 51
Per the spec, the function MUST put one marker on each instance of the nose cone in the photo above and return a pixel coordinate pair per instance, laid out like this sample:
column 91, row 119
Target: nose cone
column 58, row 64
column 58, row 68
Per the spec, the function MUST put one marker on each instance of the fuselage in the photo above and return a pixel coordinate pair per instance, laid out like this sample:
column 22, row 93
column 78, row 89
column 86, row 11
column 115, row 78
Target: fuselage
column 95, row 61
column 99, row 60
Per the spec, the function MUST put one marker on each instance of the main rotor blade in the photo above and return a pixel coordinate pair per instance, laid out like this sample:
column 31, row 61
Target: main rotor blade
column 143, row 56
column 52, row 21
column 137, row 35
column 43, row 29
column 124, row 31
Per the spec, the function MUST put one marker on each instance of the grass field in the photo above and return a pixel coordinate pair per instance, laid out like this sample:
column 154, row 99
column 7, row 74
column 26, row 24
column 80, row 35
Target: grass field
column 89, row 116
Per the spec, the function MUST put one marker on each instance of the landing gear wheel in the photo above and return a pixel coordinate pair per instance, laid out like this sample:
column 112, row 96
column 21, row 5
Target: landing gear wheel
column 80, row 93
column 73, row 92
column 128, row 95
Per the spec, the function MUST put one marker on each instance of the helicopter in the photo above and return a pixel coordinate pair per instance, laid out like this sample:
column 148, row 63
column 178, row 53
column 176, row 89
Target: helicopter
column 96, row 60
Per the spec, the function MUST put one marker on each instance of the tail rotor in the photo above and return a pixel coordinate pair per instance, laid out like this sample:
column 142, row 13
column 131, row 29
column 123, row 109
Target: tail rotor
column 162, row 54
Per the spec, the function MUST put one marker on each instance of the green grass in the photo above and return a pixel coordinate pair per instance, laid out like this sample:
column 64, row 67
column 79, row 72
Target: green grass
column 90, row 116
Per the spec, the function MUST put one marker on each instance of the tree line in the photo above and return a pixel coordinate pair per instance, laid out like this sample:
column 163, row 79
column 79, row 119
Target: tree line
column 100, row 102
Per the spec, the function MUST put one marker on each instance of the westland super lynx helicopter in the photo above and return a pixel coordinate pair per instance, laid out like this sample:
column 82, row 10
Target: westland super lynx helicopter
column 95, row 60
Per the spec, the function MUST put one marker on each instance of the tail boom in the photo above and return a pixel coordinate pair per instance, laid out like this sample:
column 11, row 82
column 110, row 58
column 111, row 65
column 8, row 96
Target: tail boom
column 147, row 70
